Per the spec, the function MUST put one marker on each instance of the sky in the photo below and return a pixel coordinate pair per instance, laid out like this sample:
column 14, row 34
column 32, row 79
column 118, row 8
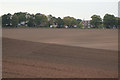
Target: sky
column 80, row 9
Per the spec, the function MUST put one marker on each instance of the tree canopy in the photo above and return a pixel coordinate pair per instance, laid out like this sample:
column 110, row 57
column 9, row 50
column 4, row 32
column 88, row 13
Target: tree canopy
column 41, row 20
column 96, row 21
column 15, row 20
column 109, row 21
column 22, row 16
column 6, row 20
column 69, row 21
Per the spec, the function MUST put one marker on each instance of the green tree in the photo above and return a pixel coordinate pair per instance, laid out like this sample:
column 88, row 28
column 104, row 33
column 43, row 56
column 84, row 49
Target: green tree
column 80, row 25
column 41, row 19
column 44, row 20
column 6, row 20
column 21, row 16
column 69, row 21
column 96, row 21
column 60, row 22
column 15, row 20
column 50, row 21
column 109, row 21
column 79, row 21
column 54, row 20
column 117, row 23
column 31, row 21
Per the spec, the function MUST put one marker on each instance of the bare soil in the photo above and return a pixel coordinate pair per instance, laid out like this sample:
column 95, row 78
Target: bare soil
column 60, row 53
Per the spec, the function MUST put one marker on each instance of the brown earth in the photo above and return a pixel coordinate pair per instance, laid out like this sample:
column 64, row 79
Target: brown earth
column 91, row 38
column 60, row 53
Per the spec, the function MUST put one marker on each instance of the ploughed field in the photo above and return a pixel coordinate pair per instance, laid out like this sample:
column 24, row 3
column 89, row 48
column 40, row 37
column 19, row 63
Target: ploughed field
column 60, row 53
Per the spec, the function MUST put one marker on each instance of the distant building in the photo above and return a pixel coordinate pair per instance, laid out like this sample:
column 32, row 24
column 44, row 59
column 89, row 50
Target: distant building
column 23, row 23
column 86, row 23
column 53, row 26
column 66, row 26
column 75, row 26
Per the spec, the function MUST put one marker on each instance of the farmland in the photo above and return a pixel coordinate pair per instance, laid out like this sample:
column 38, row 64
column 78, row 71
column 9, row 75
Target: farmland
column 69, row 53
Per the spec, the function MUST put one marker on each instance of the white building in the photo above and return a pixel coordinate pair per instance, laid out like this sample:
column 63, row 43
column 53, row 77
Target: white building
column 66, row 26
column 53, row 26
column 86, row 23
column 75, row 26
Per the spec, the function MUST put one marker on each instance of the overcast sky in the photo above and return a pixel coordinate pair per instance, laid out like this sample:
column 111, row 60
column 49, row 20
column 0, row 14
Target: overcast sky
column 80, row 9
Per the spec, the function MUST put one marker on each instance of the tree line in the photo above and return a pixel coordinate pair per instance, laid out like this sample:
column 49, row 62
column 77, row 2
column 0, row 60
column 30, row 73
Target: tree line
column 108, row 21
column 40, row 20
